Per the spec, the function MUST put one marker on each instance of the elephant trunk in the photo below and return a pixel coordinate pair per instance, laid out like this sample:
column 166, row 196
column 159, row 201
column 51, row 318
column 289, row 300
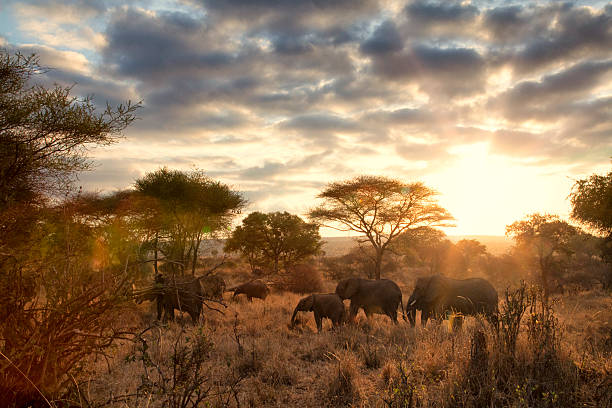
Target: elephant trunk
column 297, row 309
column 411, row 312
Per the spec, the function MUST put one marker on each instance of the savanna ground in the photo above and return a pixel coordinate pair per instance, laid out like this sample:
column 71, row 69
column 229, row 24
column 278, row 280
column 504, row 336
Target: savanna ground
column 249, row 356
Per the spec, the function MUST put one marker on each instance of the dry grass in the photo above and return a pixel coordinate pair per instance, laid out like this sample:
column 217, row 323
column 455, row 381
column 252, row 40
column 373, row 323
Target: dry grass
column 256, row 359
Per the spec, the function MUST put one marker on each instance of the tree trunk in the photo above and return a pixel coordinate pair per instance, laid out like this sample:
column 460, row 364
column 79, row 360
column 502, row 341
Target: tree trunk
column 195, row 256
column 155, row 253
column 378, row 265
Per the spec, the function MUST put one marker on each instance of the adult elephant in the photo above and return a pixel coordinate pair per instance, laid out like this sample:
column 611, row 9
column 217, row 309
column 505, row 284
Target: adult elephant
column 183, row 293
column 327, row 305
column 252, row 289
column 381, row 296
column 437, row 295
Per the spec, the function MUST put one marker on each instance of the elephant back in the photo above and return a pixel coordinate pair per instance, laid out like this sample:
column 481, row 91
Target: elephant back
column 213, row 286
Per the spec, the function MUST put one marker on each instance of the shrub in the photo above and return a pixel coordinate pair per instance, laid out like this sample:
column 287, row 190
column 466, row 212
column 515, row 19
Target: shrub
column 343, row 389
column 303, row 278
column 401, row 392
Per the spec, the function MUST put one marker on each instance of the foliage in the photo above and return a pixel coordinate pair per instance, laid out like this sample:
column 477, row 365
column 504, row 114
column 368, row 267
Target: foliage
column 547, row 239
column 471, row 250
column 63, row 280
column 429, row 247
column 358, row 263
column 192, row 207
column 181, row 378
column 45, row 133
column 379, row 208
column 303, row 278
column 274, row 241
column 422, row 246
column 510, row 315
column 71, row 290
column 591, row 200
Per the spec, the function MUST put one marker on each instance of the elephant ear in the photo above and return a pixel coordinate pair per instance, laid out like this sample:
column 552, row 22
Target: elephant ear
column 436, row 288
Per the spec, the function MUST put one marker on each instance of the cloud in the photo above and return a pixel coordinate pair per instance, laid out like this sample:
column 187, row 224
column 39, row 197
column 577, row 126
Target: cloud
column 441, row 72
column 446, row 12
column 385, row 39
column 381, row 84
column 540, row 99
column 571, row 32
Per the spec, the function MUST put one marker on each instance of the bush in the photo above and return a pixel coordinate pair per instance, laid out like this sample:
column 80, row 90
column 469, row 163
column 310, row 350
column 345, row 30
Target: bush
column 303, row 278
column 344, row 387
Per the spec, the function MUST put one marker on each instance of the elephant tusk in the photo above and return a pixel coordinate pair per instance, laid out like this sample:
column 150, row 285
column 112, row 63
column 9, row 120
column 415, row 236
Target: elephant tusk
column 412, row 303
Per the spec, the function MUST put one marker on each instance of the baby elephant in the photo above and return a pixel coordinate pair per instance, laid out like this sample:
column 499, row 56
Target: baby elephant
column 323, row 305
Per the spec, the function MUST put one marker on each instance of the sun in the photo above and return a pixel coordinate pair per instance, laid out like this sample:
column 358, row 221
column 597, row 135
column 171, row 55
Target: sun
column 485, row 192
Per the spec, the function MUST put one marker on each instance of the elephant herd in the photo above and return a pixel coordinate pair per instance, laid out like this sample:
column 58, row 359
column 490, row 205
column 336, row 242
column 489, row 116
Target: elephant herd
column 435, row 296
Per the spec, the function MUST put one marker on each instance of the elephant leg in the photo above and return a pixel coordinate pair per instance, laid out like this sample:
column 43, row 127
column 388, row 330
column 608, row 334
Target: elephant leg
column 392, row 313
column 353, row 309
column 250, row 298
column 424, row 317
column 319, row 321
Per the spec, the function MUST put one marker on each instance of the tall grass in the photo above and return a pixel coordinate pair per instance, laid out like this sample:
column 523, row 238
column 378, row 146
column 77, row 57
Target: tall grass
column 250, row 356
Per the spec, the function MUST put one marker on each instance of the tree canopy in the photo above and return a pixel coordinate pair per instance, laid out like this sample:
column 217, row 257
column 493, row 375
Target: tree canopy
column 45, row 132
column 274, row 241
column 192, row 206
column 547, row 238
column 591, row 200
column 379, row 208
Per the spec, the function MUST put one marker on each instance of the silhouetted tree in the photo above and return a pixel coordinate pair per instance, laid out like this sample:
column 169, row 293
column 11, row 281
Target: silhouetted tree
column 547, row 239
column 274, row 240
column 193, row 206
column 380, row 208
column 471, row 249
column 591, row 200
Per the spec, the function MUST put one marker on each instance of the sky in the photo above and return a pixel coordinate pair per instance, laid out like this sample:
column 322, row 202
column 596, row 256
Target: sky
column 498, row 106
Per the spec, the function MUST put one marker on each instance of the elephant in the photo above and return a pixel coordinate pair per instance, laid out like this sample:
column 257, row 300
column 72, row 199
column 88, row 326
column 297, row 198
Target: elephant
column 213, row 286
column 252, row 289
column 183, row 293
column 328, row 305
column 381, row 296
column 436, row 295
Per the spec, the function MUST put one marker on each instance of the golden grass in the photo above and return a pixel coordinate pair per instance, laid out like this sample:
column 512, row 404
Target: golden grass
column 257, row 359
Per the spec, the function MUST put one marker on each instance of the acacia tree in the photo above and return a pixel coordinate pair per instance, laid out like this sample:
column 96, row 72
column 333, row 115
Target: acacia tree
column 591, row 200
column 380, row 209
column 547, row 239
column 193, row 206
column 57, row 308
column 274, row 240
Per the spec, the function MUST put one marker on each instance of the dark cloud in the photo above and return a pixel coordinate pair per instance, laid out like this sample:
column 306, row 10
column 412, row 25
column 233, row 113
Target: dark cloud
column 571, row 33
column 506, row 23
column 540, row 99
column 319, row 122
column 153, row 47
column 385, row 39
column 273, row 169
column 440, row 72
column 441, row 12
